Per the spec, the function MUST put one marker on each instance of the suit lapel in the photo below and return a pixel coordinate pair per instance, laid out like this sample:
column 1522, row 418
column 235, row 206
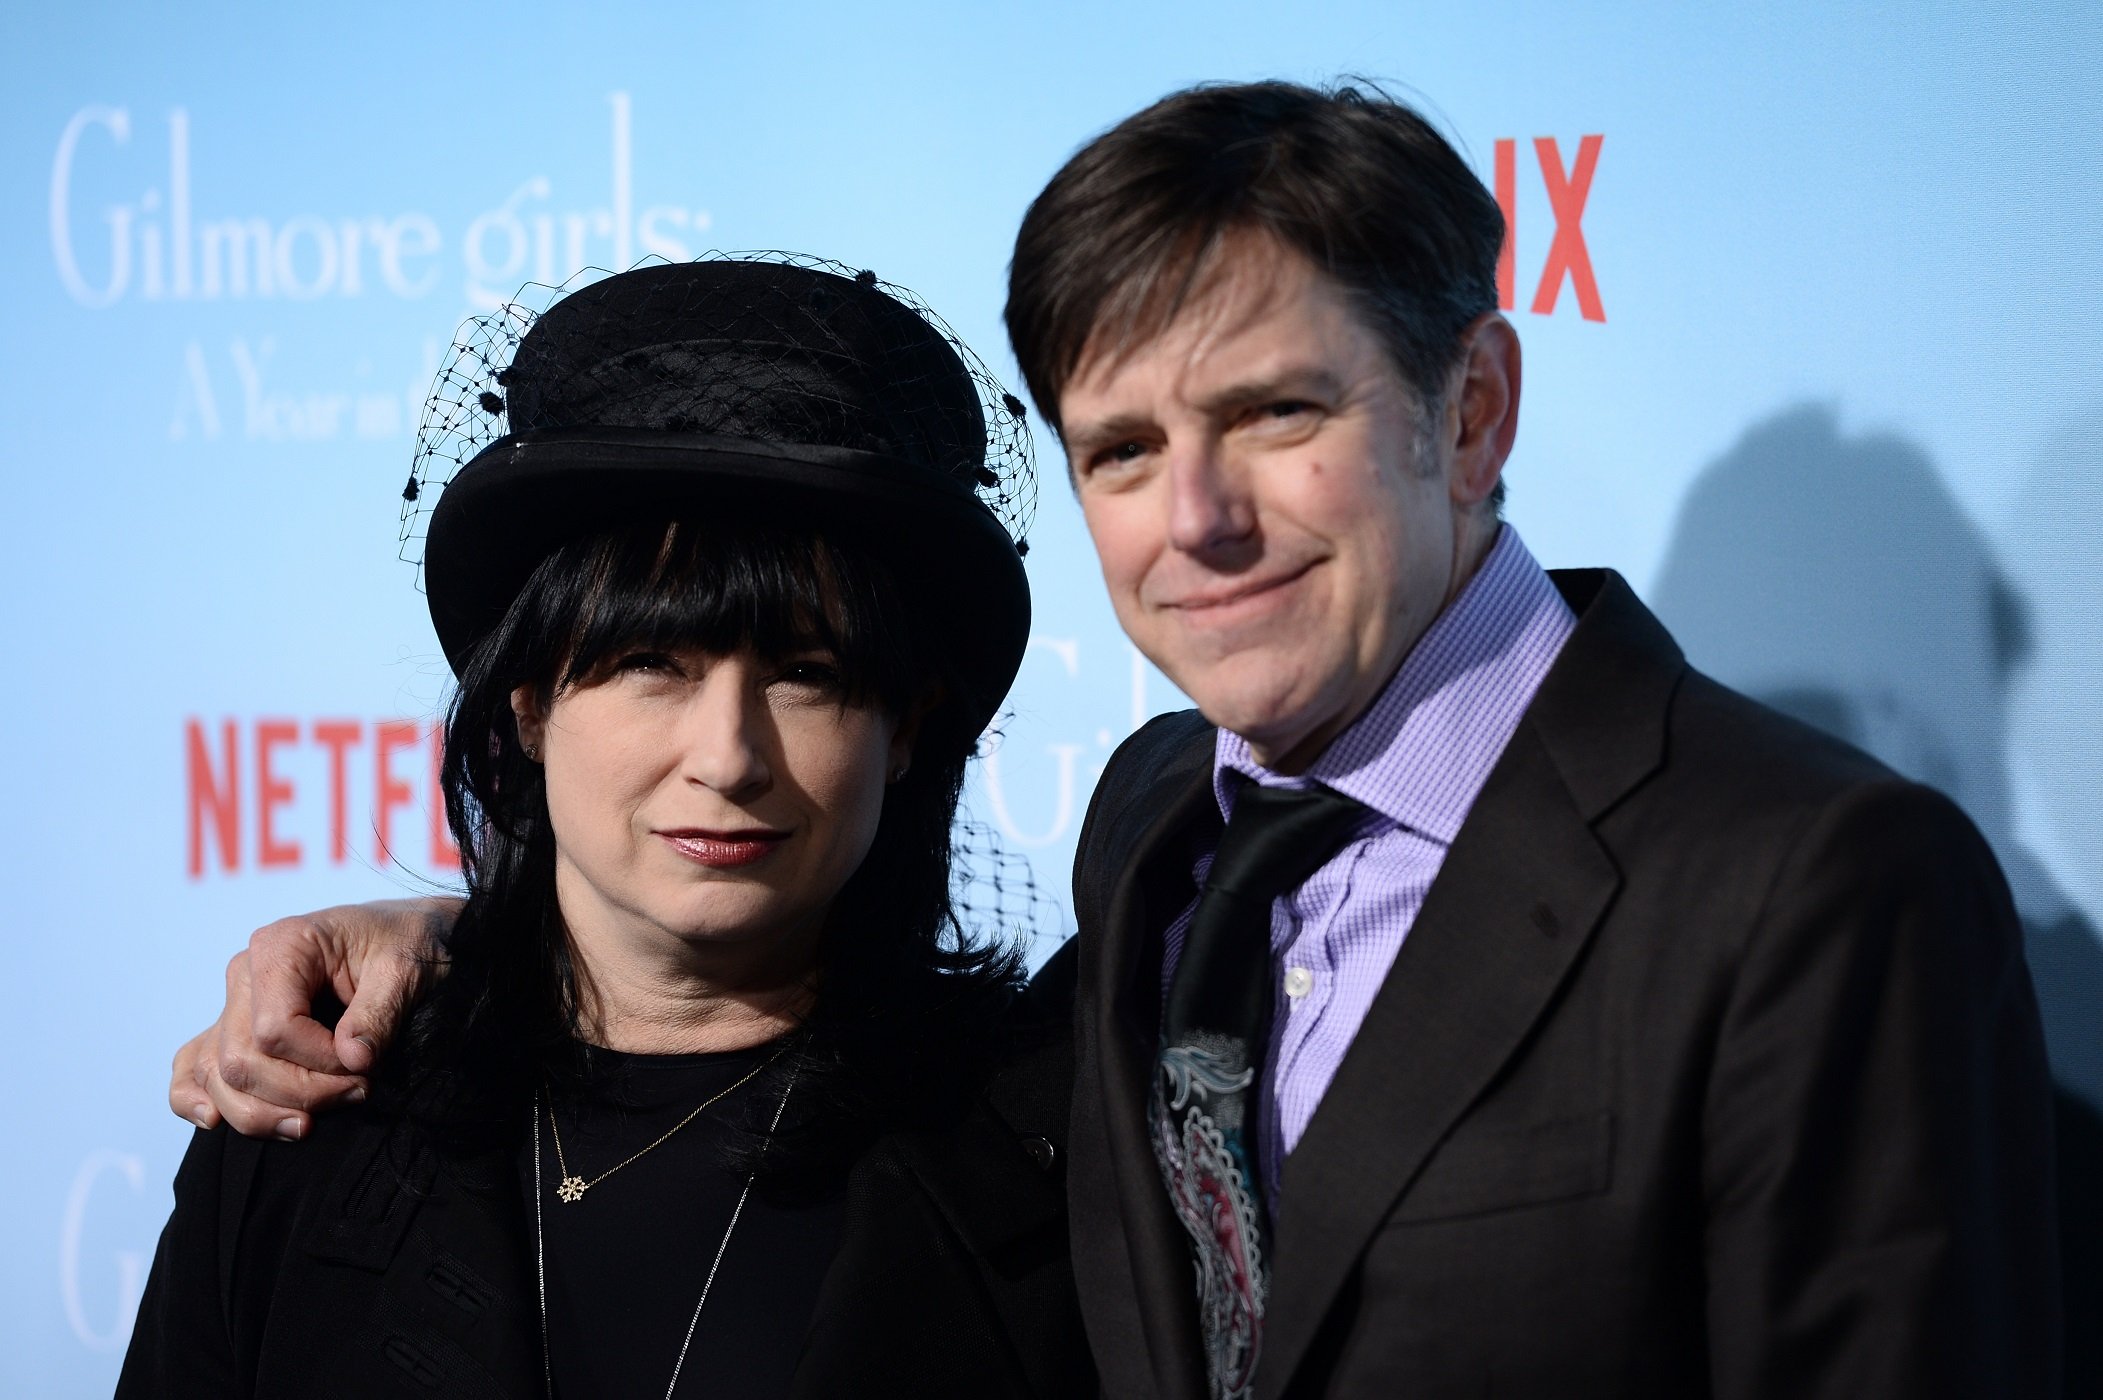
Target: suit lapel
column 1512, row 909
column 1149, row 890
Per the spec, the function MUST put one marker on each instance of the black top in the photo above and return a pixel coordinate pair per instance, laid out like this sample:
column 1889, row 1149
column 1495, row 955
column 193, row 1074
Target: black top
column 372, row 1261
column 626, row 1264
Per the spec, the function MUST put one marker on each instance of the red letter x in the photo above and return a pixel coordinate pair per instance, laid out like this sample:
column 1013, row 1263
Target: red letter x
column 1507, row 177
column 1566, row 196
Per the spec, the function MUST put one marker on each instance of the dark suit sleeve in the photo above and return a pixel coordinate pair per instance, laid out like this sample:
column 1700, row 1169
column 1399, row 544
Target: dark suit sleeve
column 1877, row 1154
column 182, row 1341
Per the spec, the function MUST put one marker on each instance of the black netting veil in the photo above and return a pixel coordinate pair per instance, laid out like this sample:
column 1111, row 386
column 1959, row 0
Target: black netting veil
column 994, row 894
column 802, row 359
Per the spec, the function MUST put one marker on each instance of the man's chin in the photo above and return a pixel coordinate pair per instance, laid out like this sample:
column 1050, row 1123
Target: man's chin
column 1275, row 719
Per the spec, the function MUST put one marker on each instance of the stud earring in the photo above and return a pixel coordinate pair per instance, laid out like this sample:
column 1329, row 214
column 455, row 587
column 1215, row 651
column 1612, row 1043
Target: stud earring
column 533, row 752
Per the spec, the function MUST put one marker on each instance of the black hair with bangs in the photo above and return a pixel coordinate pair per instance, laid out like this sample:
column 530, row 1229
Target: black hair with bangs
column 680, row 586
column 906, row 995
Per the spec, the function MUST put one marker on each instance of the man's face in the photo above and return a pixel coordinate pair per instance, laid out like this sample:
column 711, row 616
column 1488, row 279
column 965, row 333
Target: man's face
column 1273, row 516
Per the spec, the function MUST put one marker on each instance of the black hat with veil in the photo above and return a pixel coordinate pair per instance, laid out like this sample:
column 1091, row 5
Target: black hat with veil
column 769, row 387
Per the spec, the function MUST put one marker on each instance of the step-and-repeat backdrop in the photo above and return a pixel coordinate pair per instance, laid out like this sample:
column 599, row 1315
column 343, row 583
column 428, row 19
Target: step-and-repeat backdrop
column 1809, row 296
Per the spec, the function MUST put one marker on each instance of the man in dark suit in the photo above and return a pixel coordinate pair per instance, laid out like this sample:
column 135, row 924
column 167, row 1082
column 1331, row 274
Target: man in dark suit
column 1619, row 1037
column 1472, row 999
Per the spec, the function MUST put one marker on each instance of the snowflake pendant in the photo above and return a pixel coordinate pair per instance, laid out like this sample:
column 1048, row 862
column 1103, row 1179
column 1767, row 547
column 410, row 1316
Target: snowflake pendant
column 572, row 1189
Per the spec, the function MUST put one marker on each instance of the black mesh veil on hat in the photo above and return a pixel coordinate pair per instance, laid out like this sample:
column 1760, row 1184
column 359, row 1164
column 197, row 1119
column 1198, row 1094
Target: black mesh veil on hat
column 770, row 386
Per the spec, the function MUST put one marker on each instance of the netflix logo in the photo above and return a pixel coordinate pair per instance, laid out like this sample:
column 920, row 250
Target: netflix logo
column 278, row 794
column 1568, row 259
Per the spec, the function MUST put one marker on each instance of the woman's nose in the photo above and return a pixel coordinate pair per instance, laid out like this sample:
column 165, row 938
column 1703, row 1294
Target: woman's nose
column 724, row 731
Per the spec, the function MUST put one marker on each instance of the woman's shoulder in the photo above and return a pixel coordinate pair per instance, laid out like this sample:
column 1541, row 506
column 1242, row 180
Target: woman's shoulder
column 345, row 1194
column 242, row 1206
column 947, row 1068
column 994, row 1092
column 285, row 1262
column 237, row 1173
column 263, row 1192
column 963, row 1213
column 1045, row 1005
column 1031, row 1082
column 1007, row 1043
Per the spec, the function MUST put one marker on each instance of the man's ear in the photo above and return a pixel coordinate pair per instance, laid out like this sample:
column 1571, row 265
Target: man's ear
column 532, row 720
column 1482, row 408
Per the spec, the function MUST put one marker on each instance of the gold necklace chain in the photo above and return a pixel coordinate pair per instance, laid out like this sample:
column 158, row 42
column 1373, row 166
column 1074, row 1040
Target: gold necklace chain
column 540, row 1239
column 572, row 1188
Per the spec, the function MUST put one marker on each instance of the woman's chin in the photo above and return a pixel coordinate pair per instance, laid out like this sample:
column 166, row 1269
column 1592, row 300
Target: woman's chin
column 735, row 923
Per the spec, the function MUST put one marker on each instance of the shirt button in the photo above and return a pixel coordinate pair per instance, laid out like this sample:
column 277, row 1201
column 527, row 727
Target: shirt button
column 1298, row 982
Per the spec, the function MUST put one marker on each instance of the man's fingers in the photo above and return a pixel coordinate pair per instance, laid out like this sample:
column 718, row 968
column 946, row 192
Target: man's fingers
column 257, row 1097
column 188, row 1096
column 375, row 1009
column 368, row 955
column 356, row 1048
column 245, row 1069
column 286, row 969
column 283, row 1085
column 269, row 1063
column 254, row 1117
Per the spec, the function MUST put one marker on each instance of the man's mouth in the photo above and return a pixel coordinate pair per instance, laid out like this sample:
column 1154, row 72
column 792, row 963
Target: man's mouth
column 1241, row 595
column 721, row 849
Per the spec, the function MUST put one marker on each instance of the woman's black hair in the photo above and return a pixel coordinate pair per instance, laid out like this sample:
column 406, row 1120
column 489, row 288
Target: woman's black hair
column 905, row 996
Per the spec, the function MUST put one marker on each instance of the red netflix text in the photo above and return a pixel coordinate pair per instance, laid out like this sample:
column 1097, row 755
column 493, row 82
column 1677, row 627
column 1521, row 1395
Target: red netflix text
column 1568, row 259
column 256, row 792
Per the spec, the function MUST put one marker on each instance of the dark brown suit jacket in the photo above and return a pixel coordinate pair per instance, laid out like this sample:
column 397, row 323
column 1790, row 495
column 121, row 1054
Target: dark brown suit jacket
column 1711, row 1067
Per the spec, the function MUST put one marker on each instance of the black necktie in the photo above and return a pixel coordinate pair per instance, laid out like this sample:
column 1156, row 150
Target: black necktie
column 1213, row 1034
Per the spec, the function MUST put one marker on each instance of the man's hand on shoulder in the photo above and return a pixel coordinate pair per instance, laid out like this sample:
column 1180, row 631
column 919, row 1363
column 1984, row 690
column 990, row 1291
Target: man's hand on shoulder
column 267, row 1065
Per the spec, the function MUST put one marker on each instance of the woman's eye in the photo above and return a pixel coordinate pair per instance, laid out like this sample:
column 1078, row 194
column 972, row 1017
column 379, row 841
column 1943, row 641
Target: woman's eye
column 812, row 675
column 645, row 662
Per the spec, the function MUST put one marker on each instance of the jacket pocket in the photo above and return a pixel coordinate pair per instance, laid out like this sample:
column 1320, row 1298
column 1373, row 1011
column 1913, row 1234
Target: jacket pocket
column 1484, row 1170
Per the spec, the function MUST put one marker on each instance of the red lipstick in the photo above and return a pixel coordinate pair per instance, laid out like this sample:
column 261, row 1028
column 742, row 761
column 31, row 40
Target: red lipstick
column 724, row 849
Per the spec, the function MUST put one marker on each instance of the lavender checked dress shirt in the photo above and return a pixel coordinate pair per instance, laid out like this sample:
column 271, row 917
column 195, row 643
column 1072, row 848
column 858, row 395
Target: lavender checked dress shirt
column 1417, row 758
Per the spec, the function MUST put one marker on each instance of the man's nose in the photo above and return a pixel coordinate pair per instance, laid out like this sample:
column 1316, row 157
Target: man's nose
column 723, row 733
column 1209, row 505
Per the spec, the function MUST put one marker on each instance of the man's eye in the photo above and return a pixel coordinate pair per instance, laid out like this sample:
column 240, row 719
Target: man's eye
column 1123, row 454
column 1287, row 408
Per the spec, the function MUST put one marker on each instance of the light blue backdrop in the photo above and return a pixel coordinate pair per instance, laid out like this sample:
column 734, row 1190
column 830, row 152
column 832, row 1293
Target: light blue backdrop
column 1840, row 422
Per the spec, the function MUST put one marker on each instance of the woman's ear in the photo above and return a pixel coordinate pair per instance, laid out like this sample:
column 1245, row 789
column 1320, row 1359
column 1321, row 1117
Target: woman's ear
column 907, row 734
column 532, row 721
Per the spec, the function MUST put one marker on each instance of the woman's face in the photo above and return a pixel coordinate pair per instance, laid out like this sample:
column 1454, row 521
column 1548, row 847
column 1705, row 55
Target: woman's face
column 717, row 799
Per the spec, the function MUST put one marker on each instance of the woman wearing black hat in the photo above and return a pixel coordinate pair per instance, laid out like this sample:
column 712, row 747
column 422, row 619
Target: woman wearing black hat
column 715, row 1096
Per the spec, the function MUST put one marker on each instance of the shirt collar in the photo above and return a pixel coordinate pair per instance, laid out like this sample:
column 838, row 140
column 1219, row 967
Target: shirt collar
column 1422, row 751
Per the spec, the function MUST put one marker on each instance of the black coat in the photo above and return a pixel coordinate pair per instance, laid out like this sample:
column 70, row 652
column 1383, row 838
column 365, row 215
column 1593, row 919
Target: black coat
column 1711, row 1067
column 312, row 1269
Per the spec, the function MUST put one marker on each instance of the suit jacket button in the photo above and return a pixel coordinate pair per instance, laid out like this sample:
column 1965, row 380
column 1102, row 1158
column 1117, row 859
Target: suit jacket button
column 1041, row 1152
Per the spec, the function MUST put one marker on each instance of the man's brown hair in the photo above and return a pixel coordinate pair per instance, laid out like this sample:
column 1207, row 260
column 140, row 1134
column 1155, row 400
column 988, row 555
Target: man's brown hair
column 1359, row 184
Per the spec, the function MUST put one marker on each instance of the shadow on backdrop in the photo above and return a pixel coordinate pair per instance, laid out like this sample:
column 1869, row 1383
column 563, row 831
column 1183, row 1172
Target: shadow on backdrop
column 1838, row 580
column 2053, row 544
